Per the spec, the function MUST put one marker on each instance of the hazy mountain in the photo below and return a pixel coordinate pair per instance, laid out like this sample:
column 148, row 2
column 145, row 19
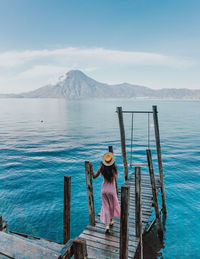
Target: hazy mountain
column 76, row 85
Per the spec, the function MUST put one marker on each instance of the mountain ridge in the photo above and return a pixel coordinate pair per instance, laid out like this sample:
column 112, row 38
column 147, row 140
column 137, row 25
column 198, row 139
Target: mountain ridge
column 76, row 85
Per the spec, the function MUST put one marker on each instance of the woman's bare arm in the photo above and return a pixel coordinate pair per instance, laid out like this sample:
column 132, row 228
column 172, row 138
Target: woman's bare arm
column 93, row 173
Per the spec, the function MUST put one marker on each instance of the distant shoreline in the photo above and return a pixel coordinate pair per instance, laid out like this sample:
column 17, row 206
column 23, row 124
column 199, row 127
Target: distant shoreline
column 103, row 98
column 76, row 85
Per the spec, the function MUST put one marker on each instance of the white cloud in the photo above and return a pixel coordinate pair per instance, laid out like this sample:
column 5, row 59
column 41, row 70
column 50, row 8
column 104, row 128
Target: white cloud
column 29, row 69
column 17, row 58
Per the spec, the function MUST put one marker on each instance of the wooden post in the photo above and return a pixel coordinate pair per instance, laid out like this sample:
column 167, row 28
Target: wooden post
column 3, row 224
column 110, row 149
column 123, row 142
column 79, row 248
column 153, row 185
column 66, row 212
column 138, row 210
column 157, row 136
column 90, row 196
column 124, row 220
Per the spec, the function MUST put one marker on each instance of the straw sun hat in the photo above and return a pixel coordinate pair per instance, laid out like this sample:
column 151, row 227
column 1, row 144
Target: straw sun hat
column 108, row 159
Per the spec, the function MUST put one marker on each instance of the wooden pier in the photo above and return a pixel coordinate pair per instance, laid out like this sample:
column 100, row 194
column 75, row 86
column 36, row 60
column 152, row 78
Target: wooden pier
column 137, row 198
column 93, row 242
column 101, row 245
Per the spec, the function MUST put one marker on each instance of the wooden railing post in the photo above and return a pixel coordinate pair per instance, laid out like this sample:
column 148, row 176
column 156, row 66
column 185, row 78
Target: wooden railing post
column 3, row 224
column 66, row 210
column 138, row 210
column 124, row 221
column 79, row 248
column 157, row 136
column 110, row 149
column 90, row 196
column 123, row 142
column 153, row 185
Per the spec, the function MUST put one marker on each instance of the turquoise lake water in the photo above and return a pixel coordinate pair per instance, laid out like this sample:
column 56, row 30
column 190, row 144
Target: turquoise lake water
column 35, row 156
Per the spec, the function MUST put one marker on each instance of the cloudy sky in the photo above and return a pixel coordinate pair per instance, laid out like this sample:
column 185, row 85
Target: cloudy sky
column 153, row 43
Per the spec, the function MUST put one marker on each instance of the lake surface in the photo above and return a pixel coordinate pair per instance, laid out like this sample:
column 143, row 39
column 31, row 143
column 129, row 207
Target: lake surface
column 41, row 140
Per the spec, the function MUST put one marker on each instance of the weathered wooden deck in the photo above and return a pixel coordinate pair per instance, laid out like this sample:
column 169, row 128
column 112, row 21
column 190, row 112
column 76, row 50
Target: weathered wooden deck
column 101, row 245
column 19, row 247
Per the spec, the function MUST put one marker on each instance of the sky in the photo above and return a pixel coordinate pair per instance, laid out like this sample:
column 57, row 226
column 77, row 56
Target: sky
column 152, row 43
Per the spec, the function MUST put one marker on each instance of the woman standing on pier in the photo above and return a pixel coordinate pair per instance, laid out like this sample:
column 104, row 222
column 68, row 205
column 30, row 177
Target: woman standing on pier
column 110, row 204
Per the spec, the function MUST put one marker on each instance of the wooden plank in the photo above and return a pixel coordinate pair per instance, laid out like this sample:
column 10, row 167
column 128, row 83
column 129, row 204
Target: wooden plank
column 144, row 183
column 109, row 237
column 18, row 248
column 138, row 211
column 146, row 187
column 123, row 142
column 147, row 196
column 106, row 243
column 145, row 204
column 157, row 136
column 66, row 209
column 101, row 235
column 132, row 219
column 145, row 177
column 117, row 227
column 101, row 230
column 110, row 249
column 57, row 247
column 145, row 213
column 79, row 248
column 96, row 253
column 90, row 193
column 66, row 250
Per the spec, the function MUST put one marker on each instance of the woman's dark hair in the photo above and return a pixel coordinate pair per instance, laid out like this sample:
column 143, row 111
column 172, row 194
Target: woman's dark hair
column 108, row 172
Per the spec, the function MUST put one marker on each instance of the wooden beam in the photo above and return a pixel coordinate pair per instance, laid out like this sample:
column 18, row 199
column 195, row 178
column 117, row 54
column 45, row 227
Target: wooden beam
column 90, row 196
column 66, row 210
column 151, row 226
column 79, row 248
column 157, row 136
column 123, row 142
column 138, row 210
column 155, row 199
column 124, row 221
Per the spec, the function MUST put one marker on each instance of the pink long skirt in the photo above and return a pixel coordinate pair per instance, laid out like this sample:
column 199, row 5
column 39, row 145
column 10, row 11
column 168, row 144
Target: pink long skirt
column 110, row 204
